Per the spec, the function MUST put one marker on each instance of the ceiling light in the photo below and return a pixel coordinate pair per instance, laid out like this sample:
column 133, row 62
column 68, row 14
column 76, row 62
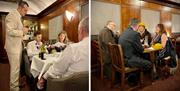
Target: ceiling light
column 69, row 15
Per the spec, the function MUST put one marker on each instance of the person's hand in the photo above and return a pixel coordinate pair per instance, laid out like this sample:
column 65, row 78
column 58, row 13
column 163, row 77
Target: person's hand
column 41, row 82
column 25, row 30
column 145, row 46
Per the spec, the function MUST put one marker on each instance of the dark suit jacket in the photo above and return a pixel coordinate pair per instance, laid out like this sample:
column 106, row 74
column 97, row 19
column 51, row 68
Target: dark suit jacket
column 106, row 36
column 130, row 42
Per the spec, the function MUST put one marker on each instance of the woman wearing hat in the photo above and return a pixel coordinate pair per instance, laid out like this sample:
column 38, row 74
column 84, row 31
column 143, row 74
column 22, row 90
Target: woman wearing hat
column 145, row 36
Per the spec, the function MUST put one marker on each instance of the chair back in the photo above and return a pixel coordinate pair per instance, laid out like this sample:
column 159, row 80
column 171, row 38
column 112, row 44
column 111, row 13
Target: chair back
column 116, row 54
column 98, row 51
column 25, row 64
column 75, row 82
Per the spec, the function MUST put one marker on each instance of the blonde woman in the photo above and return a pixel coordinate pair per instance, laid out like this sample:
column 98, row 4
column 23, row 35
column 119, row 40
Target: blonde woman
column 62, row 39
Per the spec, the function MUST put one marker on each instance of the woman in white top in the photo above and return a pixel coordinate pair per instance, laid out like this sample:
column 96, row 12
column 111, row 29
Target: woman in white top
column 33, row 47
column 62, row 39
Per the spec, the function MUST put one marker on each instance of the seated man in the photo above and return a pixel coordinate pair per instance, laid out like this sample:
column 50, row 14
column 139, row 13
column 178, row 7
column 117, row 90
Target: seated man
column 106, row 36
column 130, row 42
column 33, row 47
column 75, row 57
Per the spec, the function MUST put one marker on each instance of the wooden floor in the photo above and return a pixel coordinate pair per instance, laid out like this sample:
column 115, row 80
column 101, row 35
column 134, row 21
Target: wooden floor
column 170, row 84
column 4, row 78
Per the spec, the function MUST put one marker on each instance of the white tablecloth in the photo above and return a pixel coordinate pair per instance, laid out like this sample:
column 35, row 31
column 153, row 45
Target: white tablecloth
column 39, row 66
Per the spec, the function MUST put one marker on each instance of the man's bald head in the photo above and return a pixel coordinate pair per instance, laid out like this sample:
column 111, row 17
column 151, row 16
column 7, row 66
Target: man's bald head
column 83, row 28
column 111, row 25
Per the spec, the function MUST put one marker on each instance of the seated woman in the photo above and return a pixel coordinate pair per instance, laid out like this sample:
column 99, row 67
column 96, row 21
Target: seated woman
column 33, row 47
column 144, row 35
column 168, row 48
column 62, row 39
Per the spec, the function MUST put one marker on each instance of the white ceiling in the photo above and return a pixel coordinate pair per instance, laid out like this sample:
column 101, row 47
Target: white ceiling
column 35, row 6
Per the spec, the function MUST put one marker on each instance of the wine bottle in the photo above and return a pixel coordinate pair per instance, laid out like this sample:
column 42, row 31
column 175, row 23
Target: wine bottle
column 42, row 51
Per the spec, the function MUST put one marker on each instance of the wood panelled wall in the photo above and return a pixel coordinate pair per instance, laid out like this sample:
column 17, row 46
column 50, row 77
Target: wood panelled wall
column 1, row 32
column 132, row 9
column 2, row 29
column 71, row 27
column 127, row 13
column 166, row 19
column 3, row 56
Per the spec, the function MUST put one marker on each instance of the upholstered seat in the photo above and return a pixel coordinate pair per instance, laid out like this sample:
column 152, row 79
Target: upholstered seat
column 75, row 82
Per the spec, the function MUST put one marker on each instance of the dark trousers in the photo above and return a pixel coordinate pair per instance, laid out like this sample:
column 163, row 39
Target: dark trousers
column 138, row 62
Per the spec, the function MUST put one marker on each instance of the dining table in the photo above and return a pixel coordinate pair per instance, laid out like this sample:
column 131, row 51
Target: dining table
column 152, row 52
column 40, row 66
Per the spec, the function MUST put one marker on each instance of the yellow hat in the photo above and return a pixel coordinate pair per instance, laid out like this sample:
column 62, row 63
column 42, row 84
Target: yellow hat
column 141, row 24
